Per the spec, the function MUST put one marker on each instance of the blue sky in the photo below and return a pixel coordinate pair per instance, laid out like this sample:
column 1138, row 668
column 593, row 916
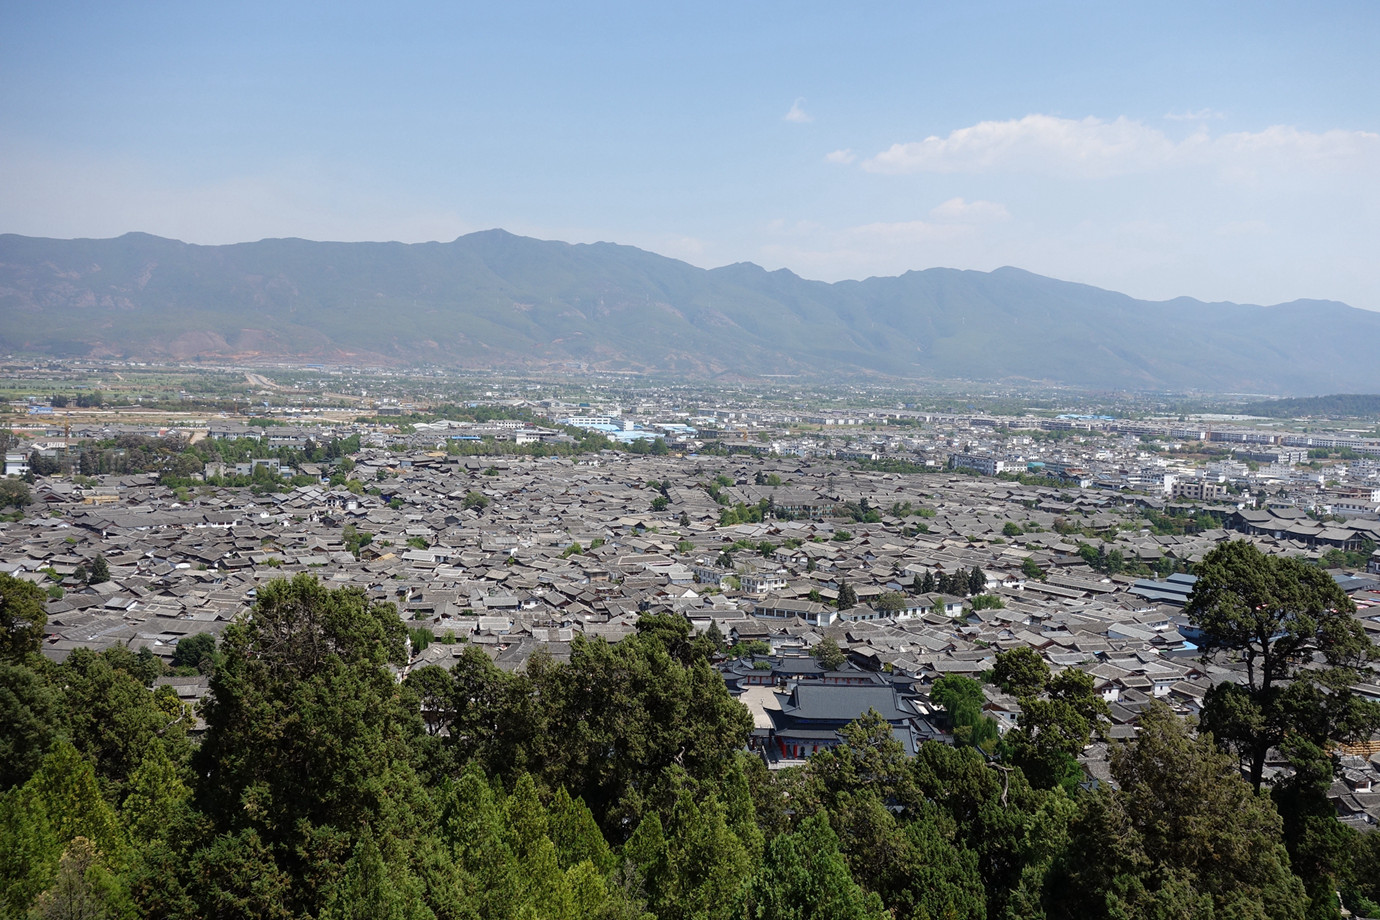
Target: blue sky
column 1222, row 151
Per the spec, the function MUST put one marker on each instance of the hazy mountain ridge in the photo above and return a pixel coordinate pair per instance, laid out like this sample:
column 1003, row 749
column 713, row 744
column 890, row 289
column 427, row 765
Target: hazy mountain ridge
column 492, row 299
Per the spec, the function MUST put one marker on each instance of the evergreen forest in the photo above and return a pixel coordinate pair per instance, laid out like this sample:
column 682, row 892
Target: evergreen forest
column 314, row 782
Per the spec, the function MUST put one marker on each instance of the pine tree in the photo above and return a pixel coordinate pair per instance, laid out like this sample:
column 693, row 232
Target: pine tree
column 1277, row 613
column 977, row 582
column 84, row 888
column 847, row 596
column 29, row 723
column 1185, row 816
column 157, row 797
column 804, row 875
column 829, row 655
column 29, row 856
column 22, row 617
column 66, row 784
column 576, row 834
column 100, row 571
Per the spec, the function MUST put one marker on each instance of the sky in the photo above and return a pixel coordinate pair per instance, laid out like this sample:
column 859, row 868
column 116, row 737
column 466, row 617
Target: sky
column 1223, row 151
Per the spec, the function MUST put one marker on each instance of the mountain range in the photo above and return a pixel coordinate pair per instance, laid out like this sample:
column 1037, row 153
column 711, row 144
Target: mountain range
column 495, row 300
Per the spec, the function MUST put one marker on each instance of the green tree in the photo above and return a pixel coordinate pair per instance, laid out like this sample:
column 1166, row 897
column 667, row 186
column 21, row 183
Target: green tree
column 474, row 829
column 14, row 493
column 829, row 655
column 1320, row 847
column 238, row 876
column 672, row 631
column 84, row 888
column 100, row 570
column 576, row 834
column 647, row 856
column 1021, row 672
column 419, row 638
column 707, row 865
column 29, row 722
column 22, row 618
column 1362, row 891
column 434, row 688
column 1050, row 733
column 1188, row 830
column 748, row 648
column 1011, row 829
column 962, row 699
column 1031, row 569
column 713, row 640
column 367, row 889
column 29, row 857
column 869, row 756
column 197, row 652
column 355, row 539
column 157, row 800
column 72, row 802
column 1274, row 614
column 618, row 718
column 847, row 596
column 930, row 874
column 1059, row 716
column 804, row 877
column 496, row 717
column 977, row 582
column 306, row 726
column 890, row 602
column 113, row 719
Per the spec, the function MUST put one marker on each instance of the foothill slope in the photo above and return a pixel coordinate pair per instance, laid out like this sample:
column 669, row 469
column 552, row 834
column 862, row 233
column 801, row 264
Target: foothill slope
column 495, row 300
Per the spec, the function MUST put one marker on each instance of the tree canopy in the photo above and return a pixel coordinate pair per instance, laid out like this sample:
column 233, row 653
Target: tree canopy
column 22, row 617
column 1192, row 839
column 1294, row 631
column 616, row 784
column 829, row 655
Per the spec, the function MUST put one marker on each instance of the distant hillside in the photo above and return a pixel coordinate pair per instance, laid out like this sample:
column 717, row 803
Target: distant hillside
column 492, row 299
column 1342, row 405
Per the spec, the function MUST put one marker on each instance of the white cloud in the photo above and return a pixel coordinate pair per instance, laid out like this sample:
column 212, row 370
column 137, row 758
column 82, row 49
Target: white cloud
column 798, row 115
column 1284, row 146
column 970, row 212
column 1092, row 147
column 1038, row 142
column 1153, row 209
